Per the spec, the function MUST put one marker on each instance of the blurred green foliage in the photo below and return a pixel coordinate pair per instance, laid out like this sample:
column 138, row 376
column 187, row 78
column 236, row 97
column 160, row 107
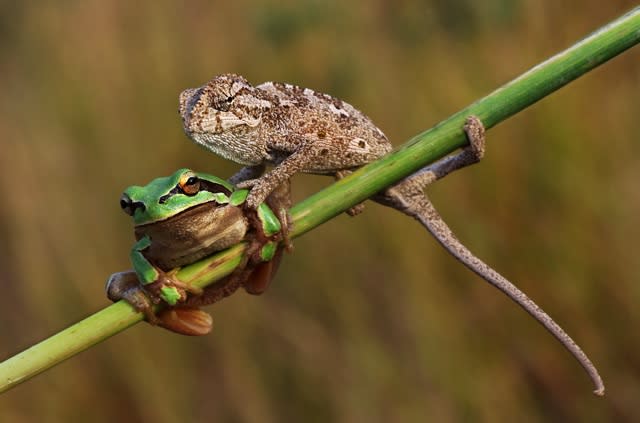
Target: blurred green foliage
column 369, row 320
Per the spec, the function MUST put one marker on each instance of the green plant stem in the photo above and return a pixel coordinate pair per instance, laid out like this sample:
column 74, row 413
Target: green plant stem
column 421, row 150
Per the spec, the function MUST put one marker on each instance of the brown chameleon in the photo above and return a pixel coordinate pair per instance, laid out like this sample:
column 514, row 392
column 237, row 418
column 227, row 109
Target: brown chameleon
column 299, row 130
column 296, row 129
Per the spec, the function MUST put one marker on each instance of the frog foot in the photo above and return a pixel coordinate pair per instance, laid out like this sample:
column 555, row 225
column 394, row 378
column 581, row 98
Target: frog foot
column 262, row 242
column 170, row 289
column 190, row 321
column 125, row 286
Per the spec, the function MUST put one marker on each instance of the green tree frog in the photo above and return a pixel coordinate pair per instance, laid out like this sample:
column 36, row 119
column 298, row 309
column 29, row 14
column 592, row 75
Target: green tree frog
column 182, row 218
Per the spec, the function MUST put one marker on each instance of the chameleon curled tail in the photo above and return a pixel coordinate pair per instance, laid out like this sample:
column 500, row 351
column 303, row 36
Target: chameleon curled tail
column 408, row 197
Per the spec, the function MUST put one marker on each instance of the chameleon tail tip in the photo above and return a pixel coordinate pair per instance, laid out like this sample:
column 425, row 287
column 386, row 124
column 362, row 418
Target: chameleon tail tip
column 599, row 391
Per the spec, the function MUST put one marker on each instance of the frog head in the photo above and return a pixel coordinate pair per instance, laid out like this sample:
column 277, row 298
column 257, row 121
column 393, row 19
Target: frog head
column 185, row 216
column 166, row 197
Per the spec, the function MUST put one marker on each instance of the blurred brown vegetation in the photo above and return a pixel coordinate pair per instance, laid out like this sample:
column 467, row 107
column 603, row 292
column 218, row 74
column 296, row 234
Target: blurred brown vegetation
column 369, row 320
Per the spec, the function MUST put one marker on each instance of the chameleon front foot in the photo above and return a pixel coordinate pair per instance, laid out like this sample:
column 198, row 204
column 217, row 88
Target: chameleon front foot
column 474, row 129
column 259, row 191
column 352, row 211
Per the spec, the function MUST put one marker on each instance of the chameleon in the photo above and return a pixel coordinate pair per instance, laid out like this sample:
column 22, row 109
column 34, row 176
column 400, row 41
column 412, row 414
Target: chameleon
column 297, row 129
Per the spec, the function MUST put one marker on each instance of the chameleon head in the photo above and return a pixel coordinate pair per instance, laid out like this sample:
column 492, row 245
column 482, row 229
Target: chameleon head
column 214, row 97
column 224, row 116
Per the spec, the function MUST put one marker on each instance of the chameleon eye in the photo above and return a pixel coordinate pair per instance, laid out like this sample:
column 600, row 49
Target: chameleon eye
column 126, row 204
column 223, row 104
column 189, row 184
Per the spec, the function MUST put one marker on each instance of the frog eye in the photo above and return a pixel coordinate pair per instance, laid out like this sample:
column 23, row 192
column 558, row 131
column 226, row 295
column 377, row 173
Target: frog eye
column 127, row 205
column 189, row 184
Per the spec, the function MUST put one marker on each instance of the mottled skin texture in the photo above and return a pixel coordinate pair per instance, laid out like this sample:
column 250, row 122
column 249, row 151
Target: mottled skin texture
column 294, row 128
column 299, row 130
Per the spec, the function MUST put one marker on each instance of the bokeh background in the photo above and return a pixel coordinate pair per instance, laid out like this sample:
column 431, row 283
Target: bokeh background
column 369, row 320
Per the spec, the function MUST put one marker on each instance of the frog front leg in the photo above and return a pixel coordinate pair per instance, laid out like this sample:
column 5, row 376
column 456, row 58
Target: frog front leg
column 160, row 285
column 265, row 243
column 270, row 235
column 147, row 284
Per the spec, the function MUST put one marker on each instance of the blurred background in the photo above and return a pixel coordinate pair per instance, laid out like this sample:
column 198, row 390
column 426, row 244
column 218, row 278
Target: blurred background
column 369, row 320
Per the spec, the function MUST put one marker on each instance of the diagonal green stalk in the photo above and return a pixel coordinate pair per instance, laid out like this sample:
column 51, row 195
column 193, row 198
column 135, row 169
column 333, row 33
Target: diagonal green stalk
column 444, row 138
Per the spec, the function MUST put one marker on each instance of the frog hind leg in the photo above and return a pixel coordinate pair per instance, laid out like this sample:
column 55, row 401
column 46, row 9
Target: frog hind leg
column 260, row 278
column 183, row 320
column 255, row 276
column 219, row 290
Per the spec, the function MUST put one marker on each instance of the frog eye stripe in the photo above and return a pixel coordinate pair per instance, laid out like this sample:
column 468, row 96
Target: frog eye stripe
column 170, row 194
column 214, row 187
column 204, row 185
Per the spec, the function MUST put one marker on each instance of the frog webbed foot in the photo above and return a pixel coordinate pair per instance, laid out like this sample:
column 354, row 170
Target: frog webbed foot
column 190, row 321
column 125, row 286
column 183, row 320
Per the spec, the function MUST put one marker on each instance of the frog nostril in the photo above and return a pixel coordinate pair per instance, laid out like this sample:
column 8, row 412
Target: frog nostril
column 130, row 207
column 126, row 205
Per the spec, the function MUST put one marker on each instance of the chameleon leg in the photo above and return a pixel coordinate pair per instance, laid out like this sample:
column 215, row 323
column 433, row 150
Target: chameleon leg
column 246, row 173
column 408, row 197
column 358, row 208
column 472, row 154
column 297, row 161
